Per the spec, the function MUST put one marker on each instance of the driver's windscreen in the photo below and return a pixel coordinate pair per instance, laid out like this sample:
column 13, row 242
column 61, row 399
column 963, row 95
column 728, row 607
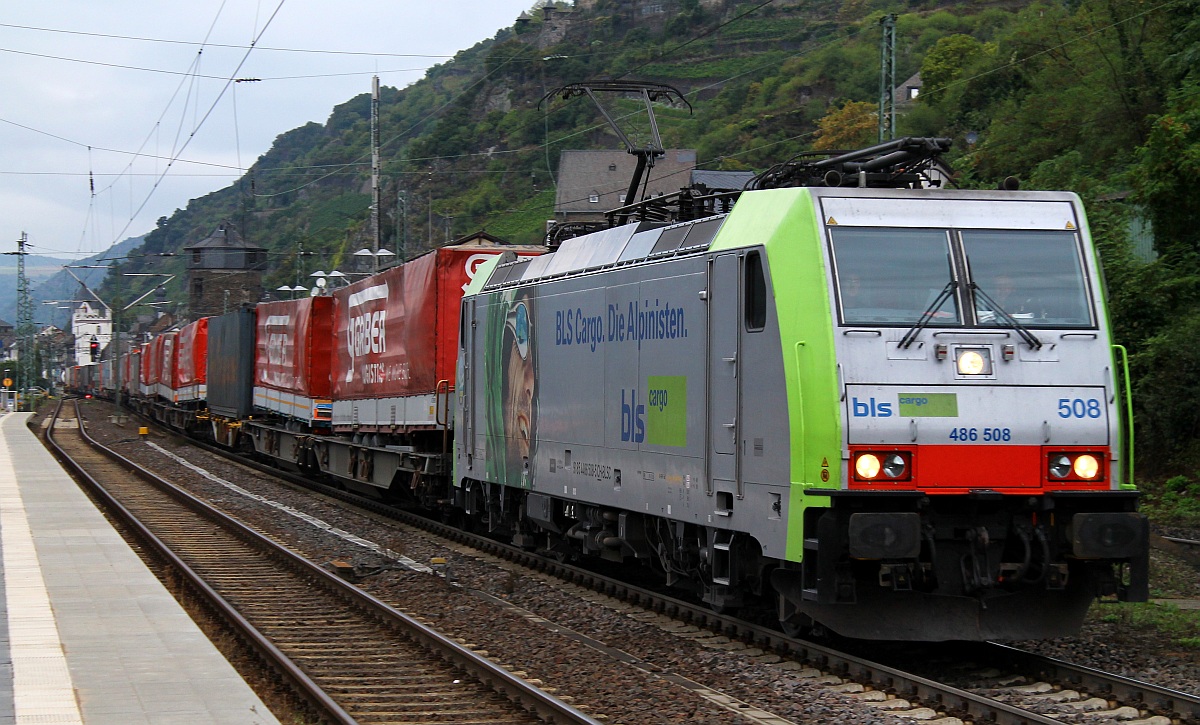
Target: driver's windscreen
column 1034, row 276
column 890, row 276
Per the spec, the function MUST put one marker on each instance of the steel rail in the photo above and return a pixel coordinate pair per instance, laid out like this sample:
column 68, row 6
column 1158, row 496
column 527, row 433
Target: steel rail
column 1126, row 690
column 1186, row 542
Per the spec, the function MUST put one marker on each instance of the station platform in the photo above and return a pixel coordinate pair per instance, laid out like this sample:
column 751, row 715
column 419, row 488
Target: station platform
column 87, row 633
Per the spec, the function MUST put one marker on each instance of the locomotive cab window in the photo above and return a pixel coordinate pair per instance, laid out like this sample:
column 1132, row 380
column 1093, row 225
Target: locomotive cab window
column 756, row 293
column 1036, row 277
column 891, row 276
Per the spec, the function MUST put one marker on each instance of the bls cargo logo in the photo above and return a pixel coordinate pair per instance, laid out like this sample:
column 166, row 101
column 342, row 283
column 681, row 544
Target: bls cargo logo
column 871, row 409
column 633, row 418
column 365, row 330
column 663, row 420
column 911, row 405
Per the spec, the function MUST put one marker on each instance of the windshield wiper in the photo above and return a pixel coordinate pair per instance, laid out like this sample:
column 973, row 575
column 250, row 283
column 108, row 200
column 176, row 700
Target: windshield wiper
column 1029, row 338
column 911, row 336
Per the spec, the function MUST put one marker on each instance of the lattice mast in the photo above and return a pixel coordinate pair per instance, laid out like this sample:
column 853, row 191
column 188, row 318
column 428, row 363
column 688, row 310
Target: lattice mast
column 26, row 364
column 887, row 79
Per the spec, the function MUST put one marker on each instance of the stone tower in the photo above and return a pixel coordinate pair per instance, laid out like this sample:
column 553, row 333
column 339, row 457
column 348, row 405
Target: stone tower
column 224, row 272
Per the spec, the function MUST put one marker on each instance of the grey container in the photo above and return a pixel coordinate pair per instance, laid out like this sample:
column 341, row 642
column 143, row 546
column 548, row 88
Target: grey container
column 231, row 364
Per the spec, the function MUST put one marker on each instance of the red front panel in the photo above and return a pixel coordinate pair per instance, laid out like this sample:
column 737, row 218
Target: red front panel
column 294, row 346
column 192, row 365
column 397, row 331
column 963, row 468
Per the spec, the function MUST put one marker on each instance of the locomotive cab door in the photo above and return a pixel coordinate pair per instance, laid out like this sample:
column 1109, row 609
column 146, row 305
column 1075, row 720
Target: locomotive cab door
column 724, row 382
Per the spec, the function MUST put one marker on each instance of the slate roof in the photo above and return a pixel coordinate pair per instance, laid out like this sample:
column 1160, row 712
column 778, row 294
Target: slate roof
column 224, row 237
column 605, row 176
column 730, row 180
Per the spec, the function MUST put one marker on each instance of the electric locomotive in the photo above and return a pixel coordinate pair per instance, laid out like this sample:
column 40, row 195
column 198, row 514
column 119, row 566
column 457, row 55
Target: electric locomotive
column 892, row 410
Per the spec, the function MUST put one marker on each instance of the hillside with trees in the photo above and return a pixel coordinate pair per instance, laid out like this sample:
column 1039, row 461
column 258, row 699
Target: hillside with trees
column 1100, row 97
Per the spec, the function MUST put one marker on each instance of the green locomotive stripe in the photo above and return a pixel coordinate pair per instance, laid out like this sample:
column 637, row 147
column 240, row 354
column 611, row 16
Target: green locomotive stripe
column 1122, row 474
column 784, row 221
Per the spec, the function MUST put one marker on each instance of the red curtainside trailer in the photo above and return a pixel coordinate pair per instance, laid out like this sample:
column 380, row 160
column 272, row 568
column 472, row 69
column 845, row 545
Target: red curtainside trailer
column 396, row 340
column 163, row 371
column 293, row 349
column 145, row 370
column 190, row 378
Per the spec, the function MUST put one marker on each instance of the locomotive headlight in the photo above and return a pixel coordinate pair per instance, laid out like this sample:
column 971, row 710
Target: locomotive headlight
column 867, row 466
column 974, row 361
column 1086, row 466
column 894, row 465
column 1060, row 466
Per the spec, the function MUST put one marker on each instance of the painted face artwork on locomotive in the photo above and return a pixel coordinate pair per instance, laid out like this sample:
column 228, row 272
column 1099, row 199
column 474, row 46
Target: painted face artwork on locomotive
column 512, row 387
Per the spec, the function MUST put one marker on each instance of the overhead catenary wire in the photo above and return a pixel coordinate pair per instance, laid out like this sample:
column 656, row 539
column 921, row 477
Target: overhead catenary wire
column 193, row 74
column 201, row 122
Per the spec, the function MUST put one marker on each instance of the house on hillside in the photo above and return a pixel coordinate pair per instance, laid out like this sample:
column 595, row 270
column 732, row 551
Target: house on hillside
column 907, row 92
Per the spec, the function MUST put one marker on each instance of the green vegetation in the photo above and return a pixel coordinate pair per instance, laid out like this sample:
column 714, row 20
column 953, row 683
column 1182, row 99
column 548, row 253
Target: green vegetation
column 1181, row 626
column 1174, row 502
column 1101, row 97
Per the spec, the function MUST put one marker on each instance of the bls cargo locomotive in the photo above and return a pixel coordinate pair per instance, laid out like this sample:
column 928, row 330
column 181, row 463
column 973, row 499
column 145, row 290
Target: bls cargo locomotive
column 895, row 410
column 846, row 396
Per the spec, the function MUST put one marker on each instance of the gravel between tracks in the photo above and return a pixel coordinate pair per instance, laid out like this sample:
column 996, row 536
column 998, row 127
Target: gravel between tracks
column 619, row 693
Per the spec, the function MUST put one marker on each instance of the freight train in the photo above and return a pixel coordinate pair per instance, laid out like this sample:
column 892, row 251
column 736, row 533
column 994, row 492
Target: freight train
column 887, row 409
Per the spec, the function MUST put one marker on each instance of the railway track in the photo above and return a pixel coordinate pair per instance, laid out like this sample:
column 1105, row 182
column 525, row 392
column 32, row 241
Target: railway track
column 1029, row 688
column 351, row 657
column 1182, row 548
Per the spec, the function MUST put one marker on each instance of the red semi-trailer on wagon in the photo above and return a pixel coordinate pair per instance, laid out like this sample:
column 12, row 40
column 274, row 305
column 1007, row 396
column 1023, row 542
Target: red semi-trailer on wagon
column 395, row 349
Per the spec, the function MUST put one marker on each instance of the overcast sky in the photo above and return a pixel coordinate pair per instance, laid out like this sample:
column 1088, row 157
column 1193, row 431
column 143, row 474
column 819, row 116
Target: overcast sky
column 67, row 83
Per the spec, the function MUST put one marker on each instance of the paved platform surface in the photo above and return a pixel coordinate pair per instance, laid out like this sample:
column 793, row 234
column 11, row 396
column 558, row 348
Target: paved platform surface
column 87, row 633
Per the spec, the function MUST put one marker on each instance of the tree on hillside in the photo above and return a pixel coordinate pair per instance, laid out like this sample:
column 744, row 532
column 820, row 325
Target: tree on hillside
column 944, row 64
column 854, row 125
column 1169, row 164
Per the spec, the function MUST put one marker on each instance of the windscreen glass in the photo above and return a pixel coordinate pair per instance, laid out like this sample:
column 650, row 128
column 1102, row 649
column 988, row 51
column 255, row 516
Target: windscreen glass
column 891, row 276
column 1034, row 276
